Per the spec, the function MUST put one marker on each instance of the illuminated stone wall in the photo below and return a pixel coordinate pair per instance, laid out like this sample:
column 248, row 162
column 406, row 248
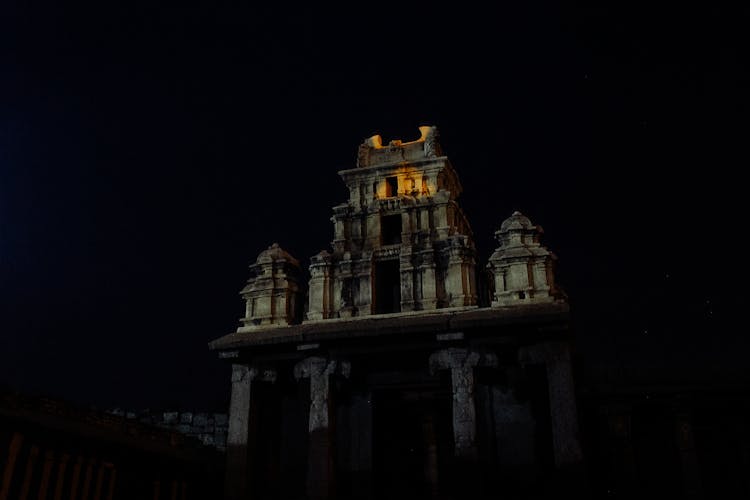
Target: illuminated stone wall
column 402, row 208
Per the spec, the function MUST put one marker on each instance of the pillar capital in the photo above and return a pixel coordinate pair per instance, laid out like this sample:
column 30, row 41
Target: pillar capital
column 245, row 373
column 544, row 353
column 460, row 358
column 317, row 366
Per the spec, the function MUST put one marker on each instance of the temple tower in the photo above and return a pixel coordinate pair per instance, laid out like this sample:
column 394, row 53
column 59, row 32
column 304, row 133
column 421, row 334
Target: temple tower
column 401, row 241
column 395, row 383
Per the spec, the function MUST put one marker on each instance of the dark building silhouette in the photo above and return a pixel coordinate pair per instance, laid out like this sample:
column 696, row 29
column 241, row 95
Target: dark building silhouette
column 53, row 450
column 400, row 369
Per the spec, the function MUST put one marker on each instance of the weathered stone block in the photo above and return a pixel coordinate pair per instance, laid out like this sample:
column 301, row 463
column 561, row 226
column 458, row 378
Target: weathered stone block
column 171, row 417
column 220, row 439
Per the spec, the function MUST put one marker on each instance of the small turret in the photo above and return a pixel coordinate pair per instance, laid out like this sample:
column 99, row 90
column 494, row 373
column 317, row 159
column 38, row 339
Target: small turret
column 273, row 295
column 523, row 270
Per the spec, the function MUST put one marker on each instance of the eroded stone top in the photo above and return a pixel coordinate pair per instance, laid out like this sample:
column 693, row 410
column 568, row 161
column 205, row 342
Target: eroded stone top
column 276, row 253
column 518, row 222
column 372, row 152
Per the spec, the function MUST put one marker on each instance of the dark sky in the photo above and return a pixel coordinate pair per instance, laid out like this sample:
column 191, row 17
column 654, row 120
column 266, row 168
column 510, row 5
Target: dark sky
column 147, row 155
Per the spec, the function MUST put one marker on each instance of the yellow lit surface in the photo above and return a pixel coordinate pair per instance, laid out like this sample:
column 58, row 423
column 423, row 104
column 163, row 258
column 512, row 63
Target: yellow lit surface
column 405, row 175
column 376, row 141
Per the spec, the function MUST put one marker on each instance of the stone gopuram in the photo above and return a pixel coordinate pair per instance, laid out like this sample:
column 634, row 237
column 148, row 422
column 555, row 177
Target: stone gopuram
column 387, row 374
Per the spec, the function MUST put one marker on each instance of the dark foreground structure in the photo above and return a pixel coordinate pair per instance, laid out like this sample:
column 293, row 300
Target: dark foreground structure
column 52, row 450
column 399, row 370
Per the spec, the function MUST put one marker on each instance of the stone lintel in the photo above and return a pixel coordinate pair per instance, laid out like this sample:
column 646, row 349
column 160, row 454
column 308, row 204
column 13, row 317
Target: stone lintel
column 441, row 337
column 429, row 321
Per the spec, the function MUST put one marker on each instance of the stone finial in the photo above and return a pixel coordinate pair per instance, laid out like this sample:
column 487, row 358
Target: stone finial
column 272, row 294
column 430, row 137
column 522, row 268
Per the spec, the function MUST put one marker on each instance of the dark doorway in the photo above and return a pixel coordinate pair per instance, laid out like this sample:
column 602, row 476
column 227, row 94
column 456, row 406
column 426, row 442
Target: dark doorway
column 391, row 186
column 410, row 438
column 387, row 287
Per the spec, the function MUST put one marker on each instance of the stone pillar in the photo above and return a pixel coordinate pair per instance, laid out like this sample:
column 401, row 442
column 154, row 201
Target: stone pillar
column 76, row 477
column 428, row 277
column 111, row 487
column 407, row 278
column 320, row 304
column 49, row 462
column 236, row 486
column 60, row 482
column 556, row 358
column 459, row 284
column 461, row 363
column 320, row 467
column 87, row 478
column 688, row 456
column 431, row 467
column 30, row 466
column 13, row 449
column 619, row 441
column 99, row 482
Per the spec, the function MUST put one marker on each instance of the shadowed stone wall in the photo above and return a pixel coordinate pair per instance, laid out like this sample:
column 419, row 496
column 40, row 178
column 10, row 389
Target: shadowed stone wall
column 209, row 428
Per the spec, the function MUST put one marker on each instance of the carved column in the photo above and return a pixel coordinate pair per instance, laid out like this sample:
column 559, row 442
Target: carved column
column 619, row 439
column 686, row 445
column 236, row 486
column 320, row 288
column 461, row 363
column 320, row 467
column 15, row 447
column 428, row 279
column 556, row 358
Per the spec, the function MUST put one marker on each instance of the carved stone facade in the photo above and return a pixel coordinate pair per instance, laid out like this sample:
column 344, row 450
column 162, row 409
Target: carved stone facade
column 401, row 241
column 394, row 381
column 273, row 291
column 522, row 269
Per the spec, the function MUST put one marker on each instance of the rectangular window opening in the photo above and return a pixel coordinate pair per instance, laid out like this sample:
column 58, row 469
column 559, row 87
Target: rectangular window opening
column 390, row 229
column 391, row 186
column 387, row 287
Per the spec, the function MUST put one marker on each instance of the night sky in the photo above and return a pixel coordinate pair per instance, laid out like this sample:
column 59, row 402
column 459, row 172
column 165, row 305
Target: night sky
column 147, row 155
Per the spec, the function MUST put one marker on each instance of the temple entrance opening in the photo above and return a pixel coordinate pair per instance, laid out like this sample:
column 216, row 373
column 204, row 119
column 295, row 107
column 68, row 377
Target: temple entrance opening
column 412, row 443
